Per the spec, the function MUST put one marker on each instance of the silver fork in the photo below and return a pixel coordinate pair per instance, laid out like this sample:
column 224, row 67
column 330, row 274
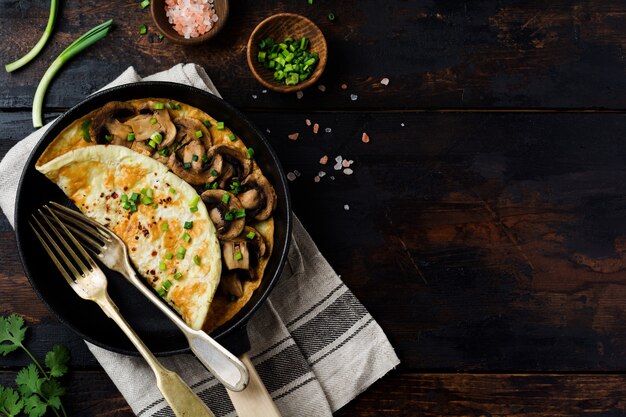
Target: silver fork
column 112, row 251
column 90, row 283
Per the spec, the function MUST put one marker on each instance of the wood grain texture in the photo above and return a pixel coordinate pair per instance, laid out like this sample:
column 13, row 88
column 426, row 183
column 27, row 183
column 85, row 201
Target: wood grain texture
column 565, row 54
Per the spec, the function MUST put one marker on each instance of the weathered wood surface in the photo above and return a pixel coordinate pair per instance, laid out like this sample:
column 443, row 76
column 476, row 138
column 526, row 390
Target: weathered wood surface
column 436, row 54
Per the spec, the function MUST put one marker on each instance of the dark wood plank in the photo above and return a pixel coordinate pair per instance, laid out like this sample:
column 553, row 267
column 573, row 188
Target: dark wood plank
column 436, row 55
column 479, row 241
column 491, row 395
column 89, row 394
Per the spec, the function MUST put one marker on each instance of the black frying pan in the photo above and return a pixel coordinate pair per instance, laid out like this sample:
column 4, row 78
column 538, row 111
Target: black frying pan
column 85, row 317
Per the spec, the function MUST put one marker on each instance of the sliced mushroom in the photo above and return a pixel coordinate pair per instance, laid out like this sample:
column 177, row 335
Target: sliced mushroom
column 192, row 154
column 223, row 214
column 234, row 163
column 244, row 251
column 231, row 284
column 154, row 120
column 192, row 176
column 259, row 199
column 142, row 148
column 186, row 129
column 106, row 126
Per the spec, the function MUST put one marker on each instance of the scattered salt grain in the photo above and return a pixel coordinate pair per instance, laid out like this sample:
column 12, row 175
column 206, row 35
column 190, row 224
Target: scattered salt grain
column 345, row 163
column 346, row 207
column 299, row 94
column 353, row 97
column 321, row 87
column 348, row 171
column 268, row 131
column 324, row 159
column 293, row 136
column 384, row 81
column 344, row 86
column 316, row 127
column 337, row 166
column 321, row 174
column 338, row 158
column 254, row 96
column 332, row 177
column 328, row 130
column 308, row 122
column 295, row 171
column 402, row 124
column 365, row 138
column 264, row 91
column 317, row 178
column 291, row 176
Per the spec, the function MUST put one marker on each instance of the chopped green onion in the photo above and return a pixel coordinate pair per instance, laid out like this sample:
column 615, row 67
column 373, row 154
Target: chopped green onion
column 157, row 137
column 188, row 225
column 187, row 165
column 85, row 130
column 251, row 235
column 161, row 36
column 171, row 105
column 133, row 207
column 153, row 120
column 196, row 260
column 220, row 125
column 143, row 29
column 249, row 153
column 232, row 137
column 193, row 209
column 162, row 266
column 150, row 192
column 40, row 43
column 164, row 152
column 169, row 256
column 146, row 200
column 165, row 227
column 108, row 138
column 167, row 284
column 162, row 292
column 225, row 198
column 159, row 106
column 238, row 256
column 194, row 158
column 199, row 133
column 331, row 16
column 124, row 198
column 186, row 237
column 178, row 276
column 130, row 137
column 152, row 144
column 126, row 206
column 213, row 173
column 134, row 197
column 205, row 158
column 240, row 214
column 229, row 215
column 172, row 190
column 181, row 253
column 207, row 123
column 144, row 191
column 194, row 201
column 145, row 3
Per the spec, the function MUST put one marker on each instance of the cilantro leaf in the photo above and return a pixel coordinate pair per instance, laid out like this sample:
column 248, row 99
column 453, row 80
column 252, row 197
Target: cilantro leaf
column 10, row 402
column 28, row 380
column 52, row 390
column 12, row 330
column 34, row 407
column 57, row 360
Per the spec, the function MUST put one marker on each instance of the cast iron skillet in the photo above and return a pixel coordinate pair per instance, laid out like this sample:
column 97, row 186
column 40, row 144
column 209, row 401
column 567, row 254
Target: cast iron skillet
column 85, row 317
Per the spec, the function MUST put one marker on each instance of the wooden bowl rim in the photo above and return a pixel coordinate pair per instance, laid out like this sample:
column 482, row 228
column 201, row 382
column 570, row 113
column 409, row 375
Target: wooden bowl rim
column 169, row 31
column 281, row 88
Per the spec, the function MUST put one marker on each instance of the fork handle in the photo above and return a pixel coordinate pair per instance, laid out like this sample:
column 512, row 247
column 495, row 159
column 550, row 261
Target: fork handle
column 182, row 400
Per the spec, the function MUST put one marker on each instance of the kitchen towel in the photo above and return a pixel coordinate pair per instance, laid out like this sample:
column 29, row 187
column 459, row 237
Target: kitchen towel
column 313, row 343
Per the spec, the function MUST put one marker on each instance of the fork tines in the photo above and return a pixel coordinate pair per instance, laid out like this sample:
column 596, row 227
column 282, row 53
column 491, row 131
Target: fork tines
column 69, row 257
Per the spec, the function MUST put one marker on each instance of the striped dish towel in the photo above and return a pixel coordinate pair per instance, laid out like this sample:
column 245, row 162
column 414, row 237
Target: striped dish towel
column 312, row 342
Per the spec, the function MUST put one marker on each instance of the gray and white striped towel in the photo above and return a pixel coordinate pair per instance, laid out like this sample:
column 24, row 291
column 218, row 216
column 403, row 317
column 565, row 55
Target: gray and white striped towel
column 313, row 344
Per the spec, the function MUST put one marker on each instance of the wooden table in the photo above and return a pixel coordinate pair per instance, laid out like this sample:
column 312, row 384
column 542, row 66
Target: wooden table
column 486, row 229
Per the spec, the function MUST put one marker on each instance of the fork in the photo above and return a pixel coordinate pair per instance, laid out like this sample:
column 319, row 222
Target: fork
column 112, row 252
column 90, row 283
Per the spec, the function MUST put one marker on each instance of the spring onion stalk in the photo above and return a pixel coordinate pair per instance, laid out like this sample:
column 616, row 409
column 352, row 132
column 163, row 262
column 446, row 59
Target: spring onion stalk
column 40, row 44
column 85, row 41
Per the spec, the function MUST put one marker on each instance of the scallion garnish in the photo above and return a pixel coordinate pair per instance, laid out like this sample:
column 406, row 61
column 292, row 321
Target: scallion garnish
column 331, row 16
column 205, row 159
column 186, row 237
column 220, row 125
column 225, row 198
column 196, row 260
column 194, row 158
column 130, row 137
column 251, row 235
column 194, row 201
column 164, row 152
column 213, row 173
column 238, row 256
column 178, row 276
column 232, row 137
column 84, row 128
column 167, row 284
column 187, row 165
column 181, row 252
column 108, row 138
column 172, row 190
column 199, row 133
column 145, row 3
column 188, row 225
column 161, row 291
column 165, row 227
column 143, row 29
column 157, row 137
column 207, row 123
column 169, row 256
column 171, row 105
column 240, row 213
column 249, row 153
column 159, row 106
column 153, row 120
column 290, row 59
column 146, row 200
column 40, row 43
column 162, row 266
column 229, row 215
column 124, row 198
column 193, row 209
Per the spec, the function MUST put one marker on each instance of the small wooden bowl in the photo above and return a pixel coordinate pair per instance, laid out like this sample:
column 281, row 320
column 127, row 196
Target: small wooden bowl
column 157, row 7
column 279, row 27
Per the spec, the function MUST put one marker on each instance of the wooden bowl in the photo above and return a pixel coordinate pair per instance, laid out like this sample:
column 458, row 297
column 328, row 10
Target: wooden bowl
column 157, row 7
column 279, row 27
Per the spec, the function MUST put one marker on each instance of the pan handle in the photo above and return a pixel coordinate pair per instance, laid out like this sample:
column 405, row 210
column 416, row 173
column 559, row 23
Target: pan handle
column 254, row 400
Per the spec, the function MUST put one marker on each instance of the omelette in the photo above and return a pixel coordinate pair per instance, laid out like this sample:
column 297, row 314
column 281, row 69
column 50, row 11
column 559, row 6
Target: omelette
column 126, row 147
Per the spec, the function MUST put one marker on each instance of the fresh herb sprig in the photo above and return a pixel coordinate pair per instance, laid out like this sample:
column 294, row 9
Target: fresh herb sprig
column 38, row 390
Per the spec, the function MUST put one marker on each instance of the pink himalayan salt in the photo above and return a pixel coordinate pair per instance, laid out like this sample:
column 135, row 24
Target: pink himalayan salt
column 191, row 18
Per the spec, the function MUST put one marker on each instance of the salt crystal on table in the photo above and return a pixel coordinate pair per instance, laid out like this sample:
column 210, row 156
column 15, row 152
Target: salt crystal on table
column 332, row 177
column 337, row 166
column 328, row 130
column 384, row 81
column 264, row 91
column 293, row 136
column 321, row 174
column 316, row 179
column 268, row 131
column 295, row 171
column 338, row 158
column 346, row 207
column 308, row 122
column 345, row 163
column 344, row 86
column 254, row 96
column 316, row 127
column 353, row 97
column 291, row 176
column 351, row 162
column 321, row 87
column 402, row 124
column 324, row 159
column 348, row 171
column 365, row 138
column 299, row 94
